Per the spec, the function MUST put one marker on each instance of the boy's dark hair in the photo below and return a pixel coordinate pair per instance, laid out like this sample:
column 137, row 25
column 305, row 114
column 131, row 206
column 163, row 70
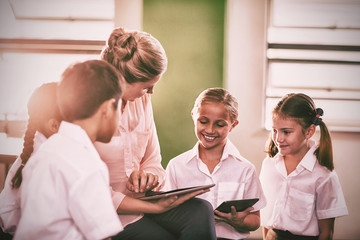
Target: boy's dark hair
column 85, row 86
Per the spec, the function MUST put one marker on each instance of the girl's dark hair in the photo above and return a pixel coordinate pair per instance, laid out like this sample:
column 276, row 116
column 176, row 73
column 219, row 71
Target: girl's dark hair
column 85, row 86
column 301, row 108
column 42, row 106
column 137, row 55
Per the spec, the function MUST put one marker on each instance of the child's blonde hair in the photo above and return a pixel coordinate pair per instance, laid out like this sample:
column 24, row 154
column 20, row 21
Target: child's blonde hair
column 137, row 55
column 301, row 108
column 218, row 95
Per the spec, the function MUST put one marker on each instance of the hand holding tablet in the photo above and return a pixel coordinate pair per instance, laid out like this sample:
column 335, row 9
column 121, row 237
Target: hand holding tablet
column 240, row 205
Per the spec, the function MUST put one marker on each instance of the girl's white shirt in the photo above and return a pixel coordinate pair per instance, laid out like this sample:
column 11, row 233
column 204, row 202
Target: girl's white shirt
column 134, row 146
column 235, row 178
column 65, row 191
column 10, row 197
column 296, row 202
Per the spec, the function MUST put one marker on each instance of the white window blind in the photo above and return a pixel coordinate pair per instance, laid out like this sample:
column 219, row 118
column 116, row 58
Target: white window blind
column 313, row 47
column 38, row 40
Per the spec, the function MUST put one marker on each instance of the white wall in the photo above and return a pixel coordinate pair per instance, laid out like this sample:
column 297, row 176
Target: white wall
column 128, row 14
column 244, row 67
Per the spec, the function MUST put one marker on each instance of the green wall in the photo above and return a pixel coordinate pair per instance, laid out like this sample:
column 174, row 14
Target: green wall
column 192, row 33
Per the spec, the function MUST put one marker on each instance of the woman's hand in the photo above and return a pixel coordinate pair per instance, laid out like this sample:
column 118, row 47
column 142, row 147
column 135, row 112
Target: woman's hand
column 140, row 181
column 242, row 221
column 133, row 205
column 165, row 204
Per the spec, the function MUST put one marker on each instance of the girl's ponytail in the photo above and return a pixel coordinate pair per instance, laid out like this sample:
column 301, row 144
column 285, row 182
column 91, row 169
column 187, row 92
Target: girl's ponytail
column 26, row 153
column 271, row 148
column 324, row 152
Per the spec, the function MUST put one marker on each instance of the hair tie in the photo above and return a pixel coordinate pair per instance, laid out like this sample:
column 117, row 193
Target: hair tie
column 317, row 119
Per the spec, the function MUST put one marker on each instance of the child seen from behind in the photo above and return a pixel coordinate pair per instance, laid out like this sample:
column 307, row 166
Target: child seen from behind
column 44, row 120
column 65, row 190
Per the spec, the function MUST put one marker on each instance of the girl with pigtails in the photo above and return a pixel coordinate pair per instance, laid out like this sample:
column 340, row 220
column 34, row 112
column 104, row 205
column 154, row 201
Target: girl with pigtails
column 302, row 189
column 44, row 120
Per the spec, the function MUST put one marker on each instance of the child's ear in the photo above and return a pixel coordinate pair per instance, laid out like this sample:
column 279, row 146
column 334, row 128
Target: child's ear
column 234, row 124
column 193, row 116
column 108, row 107
column 54, row 125
column 310, row 131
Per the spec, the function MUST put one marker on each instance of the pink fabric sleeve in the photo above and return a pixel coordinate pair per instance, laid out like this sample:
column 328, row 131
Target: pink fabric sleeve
column 117, row 198
column 151, row 162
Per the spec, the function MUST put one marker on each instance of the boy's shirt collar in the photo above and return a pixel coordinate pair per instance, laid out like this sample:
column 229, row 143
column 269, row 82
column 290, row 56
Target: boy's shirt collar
column 77, row 133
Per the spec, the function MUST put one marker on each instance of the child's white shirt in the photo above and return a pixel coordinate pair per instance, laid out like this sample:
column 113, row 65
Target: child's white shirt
column 235, row 178
column 65, row 192
column 10, row 197
column 296, row 202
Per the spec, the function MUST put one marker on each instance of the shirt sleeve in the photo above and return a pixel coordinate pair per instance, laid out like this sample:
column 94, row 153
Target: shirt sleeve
column 151, row 161
column 330, row 201
column 170, row 182
column 92, row 209
column 10, row 202
column 254, row 190
column 117, row 198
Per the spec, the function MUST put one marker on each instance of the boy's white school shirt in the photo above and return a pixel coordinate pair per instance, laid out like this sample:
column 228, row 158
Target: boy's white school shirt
column 235, row 178
column 296, row 202
column 134, row 146
column 65, row 191
column 10, row 197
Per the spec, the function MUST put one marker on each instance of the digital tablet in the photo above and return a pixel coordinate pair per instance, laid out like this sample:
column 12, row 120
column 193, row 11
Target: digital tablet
column 240, row 205
column 150, row 195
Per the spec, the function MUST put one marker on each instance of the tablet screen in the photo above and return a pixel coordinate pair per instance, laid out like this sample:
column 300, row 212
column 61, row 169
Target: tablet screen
column 156, row 195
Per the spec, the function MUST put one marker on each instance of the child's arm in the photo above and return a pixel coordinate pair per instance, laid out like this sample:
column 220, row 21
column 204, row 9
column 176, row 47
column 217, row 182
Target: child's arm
column 268, row 234
column 326, row 228
column 265, row 232
column 242, row 221
column 133, row 205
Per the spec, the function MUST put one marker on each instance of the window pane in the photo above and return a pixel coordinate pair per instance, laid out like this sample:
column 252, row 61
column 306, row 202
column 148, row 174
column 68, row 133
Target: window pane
column 51, row 19
column 319, row 13
column 313, row 48
column 325, row 76
column 21, row 73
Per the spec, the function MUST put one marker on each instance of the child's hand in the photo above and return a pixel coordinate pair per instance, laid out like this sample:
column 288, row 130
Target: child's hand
column 140, row 181
column 233, row 218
